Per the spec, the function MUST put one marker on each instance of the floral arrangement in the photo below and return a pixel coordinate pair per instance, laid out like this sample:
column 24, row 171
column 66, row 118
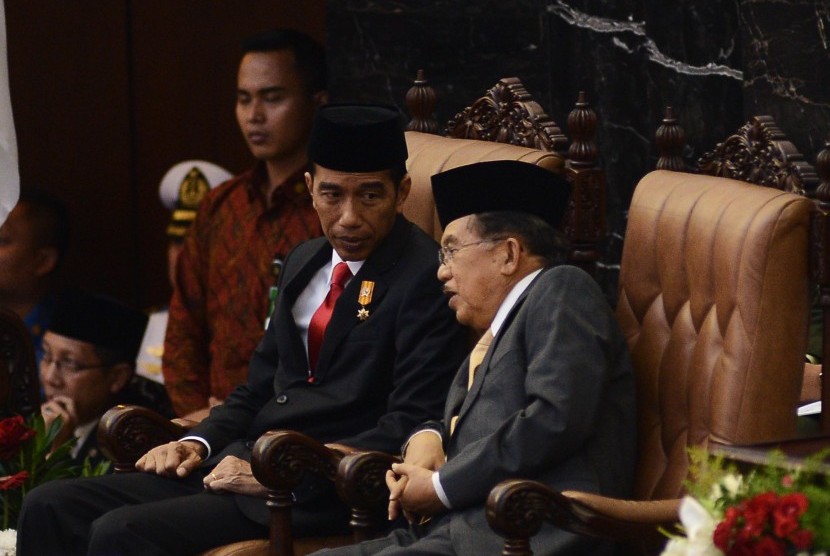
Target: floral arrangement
column 773, row 510
column 28, row 458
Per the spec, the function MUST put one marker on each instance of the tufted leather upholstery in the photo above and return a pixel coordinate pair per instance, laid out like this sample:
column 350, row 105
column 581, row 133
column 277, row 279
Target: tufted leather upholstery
column 714, row 305
column 430, row 154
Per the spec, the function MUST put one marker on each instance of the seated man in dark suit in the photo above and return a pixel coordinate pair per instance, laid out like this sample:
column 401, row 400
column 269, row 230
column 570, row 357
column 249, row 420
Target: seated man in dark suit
column 88, row 365
column 548, row 392
column 360, row 348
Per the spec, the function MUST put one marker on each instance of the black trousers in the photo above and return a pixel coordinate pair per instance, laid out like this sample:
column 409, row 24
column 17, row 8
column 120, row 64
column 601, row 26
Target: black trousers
column 132, row 513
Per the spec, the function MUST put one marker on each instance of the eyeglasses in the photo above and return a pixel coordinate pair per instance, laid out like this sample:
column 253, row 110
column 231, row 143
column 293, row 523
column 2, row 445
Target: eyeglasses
column 445, row 254
column 67, row 366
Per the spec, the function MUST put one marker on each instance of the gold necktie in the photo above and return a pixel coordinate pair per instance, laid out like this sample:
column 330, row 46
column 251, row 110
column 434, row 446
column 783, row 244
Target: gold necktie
column 476, row 357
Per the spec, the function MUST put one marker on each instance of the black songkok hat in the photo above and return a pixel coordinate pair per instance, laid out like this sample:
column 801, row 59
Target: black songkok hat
column 357, row 138
column 506, row 185
column 99, row 320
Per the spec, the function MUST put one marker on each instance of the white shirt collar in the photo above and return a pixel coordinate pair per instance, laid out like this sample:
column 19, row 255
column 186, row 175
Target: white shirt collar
column 510, row 301
column 354, row 266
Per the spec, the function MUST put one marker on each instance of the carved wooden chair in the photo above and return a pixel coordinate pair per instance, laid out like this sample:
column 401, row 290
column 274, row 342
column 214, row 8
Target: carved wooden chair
column 760, row 153
column 714, row 301
column 19, row 390
column 507, row 114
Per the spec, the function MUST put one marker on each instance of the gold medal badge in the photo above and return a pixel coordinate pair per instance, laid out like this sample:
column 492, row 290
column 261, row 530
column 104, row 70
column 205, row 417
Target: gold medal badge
column 367, row 287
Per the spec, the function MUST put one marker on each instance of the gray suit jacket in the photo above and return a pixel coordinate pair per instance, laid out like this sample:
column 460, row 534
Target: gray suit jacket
column 552, row 401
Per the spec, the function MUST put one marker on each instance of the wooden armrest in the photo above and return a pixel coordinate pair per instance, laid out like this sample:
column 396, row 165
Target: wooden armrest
column 278, row 461
column 280, row 458
column 517, row 508
column 127, row 432
column 361, row 483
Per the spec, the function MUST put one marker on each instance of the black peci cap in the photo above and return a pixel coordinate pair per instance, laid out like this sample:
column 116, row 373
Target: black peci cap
column 357, row 138
column 99, row 320
column 501, row 185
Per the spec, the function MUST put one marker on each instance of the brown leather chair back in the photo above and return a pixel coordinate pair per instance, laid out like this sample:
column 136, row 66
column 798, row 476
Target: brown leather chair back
column 431, row 154
column 713, row 300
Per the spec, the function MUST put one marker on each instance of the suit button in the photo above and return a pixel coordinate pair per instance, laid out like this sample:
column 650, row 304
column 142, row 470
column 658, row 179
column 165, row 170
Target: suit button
column 282, row 398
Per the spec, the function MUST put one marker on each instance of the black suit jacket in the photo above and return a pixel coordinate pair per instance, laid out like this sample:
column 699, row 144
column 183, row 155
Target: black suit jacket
column 375, row 379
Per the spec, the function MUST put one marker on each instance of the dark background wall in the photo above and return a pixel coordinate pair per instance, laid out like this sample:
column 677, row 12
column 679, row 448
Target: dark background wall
column 717, row 62
column 108, row 94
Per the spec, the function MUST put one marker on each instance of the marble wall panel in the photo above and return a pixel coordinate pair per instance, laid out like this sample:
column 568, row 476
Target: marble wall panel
column 717, row 62
column 786, row 50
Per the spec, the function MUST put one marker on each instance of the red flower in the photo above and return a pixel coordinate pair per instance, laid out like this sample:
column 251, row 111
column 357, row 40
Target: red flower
column 802, row 539
column 786, row 513
column 787, row 481
column 13, row 433
column 732, row 515
column 740, row 549
column 722, row 535
column 768, row 546
column 758, row 508
column 11, row 482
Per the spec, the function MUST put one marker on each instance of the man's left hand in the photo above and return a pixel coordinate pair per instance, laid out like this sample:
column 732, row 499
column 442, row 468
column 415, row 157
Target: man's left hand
column 234, row 475
column 418, row 496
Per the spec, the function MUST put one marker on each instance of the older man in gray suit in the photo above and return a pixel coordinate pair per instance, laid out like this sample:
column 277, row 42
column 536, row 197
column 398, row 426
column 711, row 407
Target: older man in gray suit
column 548, row 392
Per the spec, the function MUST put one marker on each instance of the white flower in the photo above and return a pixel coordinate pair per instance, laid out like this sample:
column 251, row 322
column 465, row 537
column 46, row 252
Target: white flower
column 699, row 526
column 8, row 540
column 730, row 484
column 733, row 484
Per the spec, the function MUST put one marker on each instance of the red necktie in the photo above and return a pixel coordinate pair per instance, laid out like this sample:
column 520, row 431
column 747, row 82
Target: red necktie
column 321, row 317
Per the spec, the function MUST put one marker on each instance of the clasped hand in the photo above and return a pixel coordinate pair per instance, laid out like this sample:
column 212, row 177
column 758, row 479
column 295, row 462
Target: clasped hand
column 410, row 483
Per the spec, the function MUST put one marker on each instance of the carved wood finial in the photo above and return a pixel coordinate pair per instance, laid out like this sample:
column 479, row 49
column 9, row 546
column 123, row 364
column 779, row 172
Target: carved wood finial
column 420, row 101
column 823, row 169
column 670, row 139
column 508, row 114
column 760, row 153
column 582, row 123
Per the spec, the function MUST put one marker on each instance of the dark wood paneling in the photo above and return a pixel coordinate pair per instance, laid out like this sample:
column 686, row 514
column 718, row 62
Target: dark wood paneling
column 107, row 95
column 68, row 82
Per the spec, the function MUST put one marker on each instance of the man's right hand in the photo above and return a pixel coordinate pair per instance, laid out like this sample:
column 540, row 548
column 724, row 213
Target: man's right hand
column 174, row 459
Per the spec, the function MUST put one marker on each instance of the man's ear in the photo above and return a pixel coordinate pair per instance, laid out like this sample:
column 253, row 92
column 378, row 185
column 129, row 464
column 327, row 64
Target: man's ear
column 513, row 255
column 403, row 191
column 119, row 376
column 309, row 182
column 47, row 261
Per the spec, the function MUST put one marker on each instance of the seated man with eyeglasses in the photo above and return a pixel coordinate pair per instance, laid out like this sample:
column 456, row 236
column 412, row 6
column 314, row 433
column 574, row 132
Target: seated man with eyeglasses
column 88, row 366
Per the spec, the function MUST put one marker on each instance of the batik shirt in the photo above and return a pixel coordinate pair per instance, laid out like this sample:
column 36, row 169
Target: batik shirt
column 223, row 277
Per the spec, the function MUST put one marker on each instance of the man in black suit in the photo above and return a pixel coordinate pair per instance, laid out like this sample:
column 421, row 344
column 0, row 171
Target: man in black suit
column 382, row 364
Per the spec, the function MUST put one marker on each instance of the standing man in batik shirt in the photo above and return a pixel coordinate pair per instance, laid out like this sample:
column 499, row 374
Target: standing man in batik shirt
column 224, row 273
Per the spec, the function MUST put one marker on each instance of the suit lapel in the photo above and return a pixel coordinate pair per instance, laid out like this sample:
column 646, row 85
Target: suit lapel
column 293, row 351
column 457, row 392
column 482, row 371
